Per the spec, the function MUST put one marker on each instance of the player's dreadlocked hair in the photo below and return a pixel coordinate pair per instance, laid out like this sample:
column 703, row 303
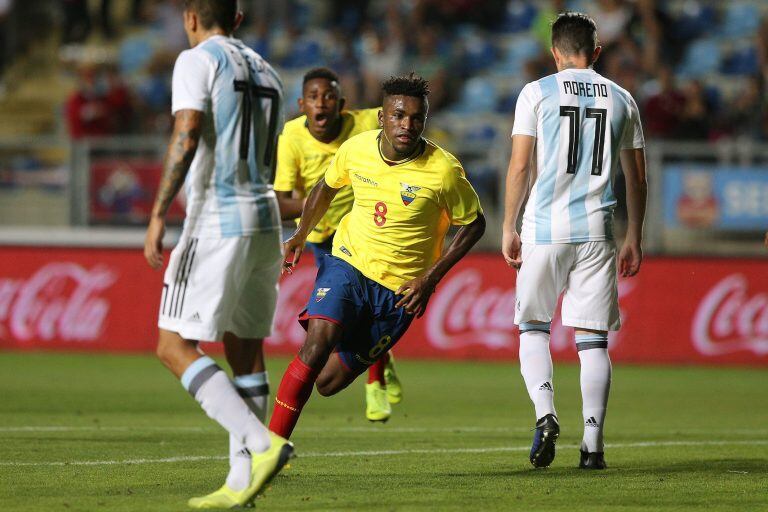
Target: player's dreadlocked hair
column 407, row 85
column 219, row 13
column 326, row 73
column 574, row 33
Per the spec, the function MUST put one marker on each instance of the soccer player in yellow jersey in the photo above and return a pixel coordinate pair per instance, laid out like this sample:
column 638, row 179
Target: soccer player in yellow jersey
column 305, row 148
column 387, row 253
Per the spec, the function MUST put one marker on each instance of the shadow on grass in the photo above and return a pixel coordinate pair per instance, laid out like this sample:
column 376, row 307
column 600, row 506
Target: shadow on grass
column 702, row 467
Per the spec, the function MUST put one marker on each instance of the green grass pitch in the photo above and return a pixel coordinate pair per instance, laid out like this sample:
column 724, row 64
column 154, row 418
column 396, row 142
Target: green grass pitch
column 117, row 433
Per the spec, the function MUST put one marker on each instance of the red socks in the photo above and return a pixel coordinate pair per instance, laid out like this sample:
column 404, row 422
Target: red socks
column 293, row 393
column 376, row 370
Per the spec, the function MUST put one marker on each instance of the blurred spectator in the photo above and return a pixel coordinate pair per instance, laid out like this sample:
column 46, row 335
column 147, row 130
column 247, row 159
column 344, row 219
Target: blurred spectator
column 77, row 20
column 663, row 109
column 278, row 13
column 622, row 64
column 5, row 10
column 119, row 103
column 431, row 64
column 100, row 106
column 381, row 59
column 137, row 11
column 612, row 18
column 696, row 117
column 645, row 43
column 447, row 13
column 167, row 17
column 345, row 63
column 348, row 15
column 762, row 48
column 745, row 117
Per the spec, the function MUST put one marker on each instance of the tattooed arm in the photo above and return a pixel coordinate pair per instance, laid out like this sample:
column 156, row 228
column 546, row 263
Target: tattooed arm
column 181, row 151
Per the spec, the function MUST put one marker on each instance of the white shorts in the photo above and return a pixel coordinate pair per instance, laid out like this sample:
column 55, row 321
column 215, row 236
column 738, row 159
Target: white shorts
column 585, row 271
column 218, row 285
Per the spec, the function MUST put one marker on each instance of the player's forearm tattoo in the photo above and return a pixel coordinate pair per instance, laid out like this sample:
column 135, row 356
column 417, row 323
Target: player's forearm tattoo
column 181, row 151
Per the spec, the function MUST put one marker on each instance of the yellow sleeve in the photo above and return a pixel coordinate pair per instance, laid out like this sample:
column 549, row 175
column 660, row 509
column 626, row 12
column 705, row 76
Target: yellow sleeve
column 288, row 173
column 370, row 118
column 458, row 197
column 337, row 174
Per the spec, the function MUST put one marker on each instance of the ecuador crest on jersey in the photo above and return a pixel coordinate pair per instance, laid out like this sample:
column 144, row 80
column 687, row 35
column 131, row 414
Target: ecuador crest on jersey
column 408, row 193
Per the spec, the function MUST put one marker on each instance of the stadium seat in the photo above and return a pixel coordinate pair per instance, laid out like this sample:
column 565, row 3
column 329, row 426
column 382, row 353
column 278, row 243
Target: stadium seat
column 694, row 20
column 702, row 57
column 741, row 61
column 479, row 53
column 741, row 19
column 518, row 17
column 478, row 95
column 135, row 53
column 305, row 52
column 258, row 44
column 518, row 51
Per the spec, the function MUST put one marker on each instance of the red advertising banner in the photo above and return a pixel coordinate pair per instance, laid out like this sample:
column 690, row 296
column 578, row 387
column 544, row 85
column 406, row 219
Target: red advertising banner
column 122, row 191
column 675, row 311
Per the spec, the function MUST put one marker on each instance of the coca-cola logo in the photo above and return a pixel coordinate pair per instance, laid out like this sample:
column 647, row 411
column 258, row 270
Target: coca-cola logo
column 466, row 311
column 729, row 320
column 58, row 302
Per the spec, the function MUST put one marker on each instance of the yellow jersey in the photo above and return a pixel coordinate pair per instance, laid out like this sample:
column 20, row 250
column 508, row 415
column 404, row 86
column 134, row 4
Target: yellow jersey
column 302, row 161
column 401, row 211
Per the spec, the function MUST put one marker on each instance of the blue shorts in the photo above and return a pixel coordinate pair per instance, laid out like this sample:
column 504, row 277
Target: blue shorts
column 363, row 308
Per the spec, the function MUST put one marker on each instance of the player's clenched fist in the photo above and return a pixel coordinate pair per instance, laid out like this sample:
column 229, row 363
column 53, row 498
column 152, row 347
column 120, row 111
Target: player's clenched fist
column 292, row 249
column 153, row 242
column 510, row 248
column 630, row 257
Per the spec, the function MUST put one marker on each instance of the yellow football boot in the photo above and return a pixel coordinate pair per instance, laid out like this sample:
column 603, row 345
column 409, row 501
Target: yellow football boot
column 264, row 467
column 377, row 407
column 223, row 498
column 394, row 387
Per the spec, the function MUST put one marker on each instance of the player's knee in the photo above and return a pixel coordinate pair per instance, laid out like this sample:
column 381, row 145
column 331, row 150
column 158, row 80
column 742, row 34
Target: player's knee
column 327, row 388
column 314, row 354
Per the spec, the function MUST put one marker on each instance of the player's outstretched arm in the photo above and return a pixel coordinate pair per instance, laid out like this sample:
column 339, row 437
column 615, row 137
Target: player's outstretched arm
column 418, row 291
column 181, row 151
column 631, row 255
column 518, row 174
column 317, row 204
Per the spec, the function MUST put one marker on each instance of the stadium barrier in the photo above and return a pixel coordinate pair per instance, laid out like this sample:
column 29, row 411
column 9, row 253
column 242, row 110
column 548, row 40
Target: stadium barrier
column 689, row 311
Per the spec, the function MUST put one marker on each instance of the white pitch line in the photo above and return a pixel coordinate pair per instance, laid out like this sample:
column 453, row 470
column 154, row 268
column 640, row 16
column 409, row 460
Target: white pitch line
column 379, row 429
column 375, row 453
column 372, row 428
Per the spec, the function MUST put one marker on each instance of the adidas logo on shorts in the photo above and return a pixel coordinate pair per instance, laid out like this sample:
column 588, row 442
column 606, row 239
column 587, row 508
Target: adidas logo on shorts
column 195, row 317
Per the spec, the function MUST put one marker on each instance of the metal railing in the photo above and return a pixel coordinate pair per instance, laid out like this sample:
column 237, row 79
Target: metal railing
column 493, row 152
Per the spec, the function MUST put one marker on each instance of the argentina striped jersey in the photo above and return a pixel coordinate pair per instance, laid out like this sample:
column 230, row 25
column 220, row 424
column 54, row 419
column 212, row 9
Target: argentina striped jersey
column 581, row 122
column 228, row 187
